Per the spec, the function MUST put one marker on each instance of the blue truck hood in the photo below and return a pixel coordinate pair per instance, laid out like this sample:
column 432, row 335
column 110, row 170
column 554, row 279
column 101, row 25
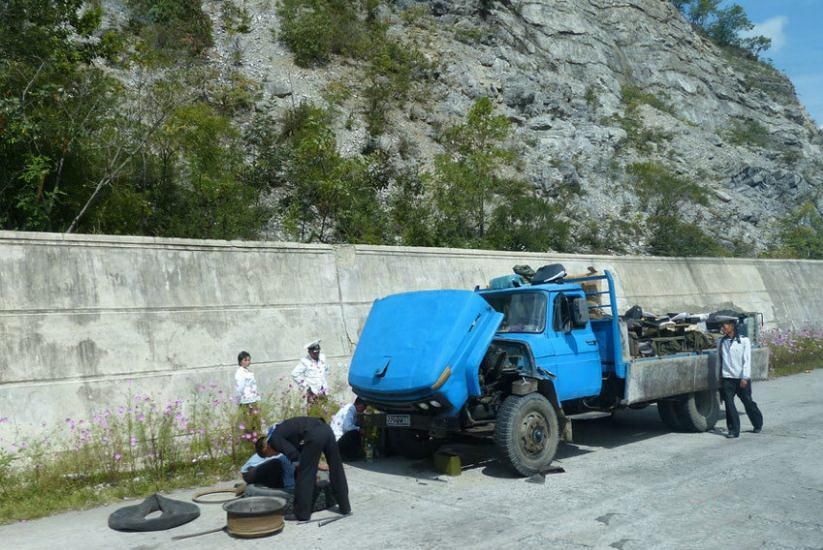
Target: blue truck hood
column 410, row 339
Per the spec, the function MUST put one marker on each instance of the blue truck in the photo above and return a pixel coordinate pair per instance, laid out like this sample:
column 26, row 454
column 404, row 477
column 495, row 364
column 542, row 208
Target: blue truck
column 518, row 364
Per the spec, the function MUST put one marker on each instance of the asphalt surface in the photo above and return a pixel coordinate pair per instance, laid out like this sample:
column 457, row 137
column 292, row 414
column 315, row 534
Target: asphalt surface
column 628, row 483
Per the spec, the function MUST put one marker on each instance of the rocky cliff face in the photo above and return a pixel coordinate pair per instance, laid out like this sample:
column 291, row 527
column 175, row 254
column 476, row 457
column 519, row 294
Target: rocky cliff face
column 565, row 73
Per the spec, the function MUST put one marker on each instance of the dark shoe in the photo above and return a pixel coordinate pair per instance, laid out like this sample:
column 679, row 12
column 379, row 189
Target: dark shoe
column 732, row 436
column 757, row 430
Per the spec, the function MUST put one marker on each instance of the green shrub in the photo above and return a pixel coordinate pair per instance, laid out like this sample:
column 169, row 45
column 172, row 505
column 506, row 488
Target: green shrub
column 172, row 26
column 748, row 132
column 234, row 18
column 633, row 97
column 316, row 29
column 638, row 135
column 393, row 68
column 800, row 234
column 663, row 196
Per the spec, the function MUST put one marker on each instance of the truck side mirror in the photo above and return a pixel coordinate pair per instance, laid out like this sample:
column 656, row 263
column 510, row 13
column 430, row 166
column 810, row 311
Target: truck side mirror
column 580, row 312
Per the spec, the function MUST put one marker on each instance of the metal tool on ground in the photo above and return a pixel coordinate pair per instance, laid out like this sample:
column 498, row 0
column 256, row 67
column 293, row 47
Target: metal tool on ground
column 325, row 522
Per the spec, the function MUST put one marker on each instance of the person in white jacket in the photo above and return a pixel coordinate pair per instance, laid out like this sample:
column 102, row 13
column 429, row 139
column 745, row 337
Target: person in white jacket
column 247, row 396
column 311, row 372
column 734, row 352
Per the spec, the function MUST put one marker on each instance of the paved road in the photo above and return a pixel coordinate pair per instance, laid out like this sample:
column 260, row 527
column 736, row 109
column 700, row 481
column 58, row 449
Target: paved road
column 628, row 483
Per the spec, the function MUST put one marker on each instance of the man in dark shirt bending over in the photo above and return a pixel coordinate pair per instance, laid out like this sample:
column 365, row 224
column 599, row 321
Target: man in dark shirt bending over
column 302, row 439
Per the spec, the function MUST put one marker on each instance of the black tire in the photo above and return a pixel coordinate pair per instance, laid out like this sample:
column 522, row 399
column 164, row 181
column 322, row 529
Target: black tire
column 412, row 444
column 133, row 518
column 526, row 432
column 699, row 411
column 669, row 413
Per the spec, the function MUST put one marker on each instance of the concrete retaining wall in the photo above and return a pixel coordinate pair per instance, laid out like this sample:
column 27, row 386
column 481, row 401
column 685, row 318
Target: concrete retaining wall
column 81, row 315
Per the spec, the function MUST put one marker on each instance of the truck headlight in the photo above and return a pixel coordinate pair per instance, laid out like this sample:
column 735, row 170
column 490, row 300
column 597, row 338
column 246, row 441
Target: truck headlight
column 442, row 378
column 435, row 404
column 424, row 406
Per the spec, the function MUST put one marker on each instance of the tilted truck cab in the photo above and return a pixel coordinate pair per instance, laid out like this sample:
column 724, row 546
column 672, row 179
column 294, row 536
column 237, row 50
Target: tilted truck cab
column 518, row 360
column 419, row 351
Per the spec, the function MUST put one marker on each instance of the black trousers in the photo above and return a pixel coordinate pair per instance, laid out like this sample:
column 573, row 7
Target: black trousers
column 319, row 439
column 731, row 388
column 269, row 474
column 350, row 446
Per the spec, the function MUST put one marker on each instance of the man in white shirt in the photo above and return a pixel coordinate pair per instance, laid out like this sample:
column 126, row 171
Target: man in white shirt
column 347, row 432
column 734, row 352
column 310, row 373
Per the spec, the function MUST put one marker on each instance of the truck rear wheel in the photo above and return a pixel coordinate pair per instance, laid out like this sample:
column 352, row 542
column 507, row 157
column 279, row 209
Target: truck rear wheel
column 699, row 411
column 668, row 410
column 526, row 432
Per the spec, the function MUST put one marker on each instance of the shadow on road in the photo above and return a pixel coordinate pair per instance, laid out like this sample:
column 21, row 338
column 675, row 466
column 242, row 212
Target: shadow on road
column 625, row 427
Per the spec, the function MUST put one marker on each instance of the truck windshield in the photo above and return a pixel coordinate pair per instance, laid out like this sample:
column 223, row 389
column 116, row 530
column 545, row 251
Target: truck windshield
column 522, row 311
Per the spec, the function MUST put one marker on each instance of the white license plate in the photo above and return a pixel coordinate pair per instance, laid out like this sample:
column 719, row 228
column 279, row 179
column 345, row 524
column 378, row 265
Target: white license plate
column 398, row 420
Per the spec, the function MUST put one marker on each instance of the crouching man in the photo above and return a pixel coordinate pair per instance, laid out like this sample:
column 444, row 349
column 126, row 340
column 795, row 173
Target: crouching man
column 267, row 467
column 303, row 439
column 347, row 432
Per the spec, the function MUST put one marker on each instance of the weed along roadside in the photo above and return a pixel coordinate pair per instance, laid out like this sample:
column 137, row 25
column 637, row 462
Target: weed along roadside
column 135, row 449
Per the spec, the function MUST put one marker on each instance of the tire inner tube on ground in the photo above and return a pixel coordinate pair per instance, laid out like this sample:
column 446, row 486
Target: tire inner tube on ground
column 323, row 495
column 133, row 518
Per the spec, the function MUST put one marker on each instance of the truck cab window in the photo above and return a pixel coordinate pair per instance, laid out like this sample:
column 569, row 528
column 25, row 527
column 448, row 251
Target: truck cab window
column 522, row 311
column 570, row 312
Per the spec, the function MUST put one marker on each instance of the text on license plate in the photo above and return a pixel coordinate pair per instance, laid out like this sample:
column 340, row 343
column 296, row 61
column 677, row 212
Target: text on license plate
column 401, row 420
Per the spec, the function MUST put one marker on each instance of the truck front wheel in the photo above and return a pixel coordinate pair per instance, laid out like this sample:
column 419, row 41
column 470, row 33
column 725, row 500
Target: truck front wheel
column 526, row 432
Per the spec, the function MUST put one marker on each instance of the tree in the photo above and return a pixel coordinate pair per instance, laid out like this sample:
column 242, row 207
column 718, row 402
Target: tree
column 324, row 196
column 700, row 11
column 663, row 195
column 54, row 106
column 468, row 177
column 728, row 24
column 477, row 204
column 800, row 234
column 723, row 25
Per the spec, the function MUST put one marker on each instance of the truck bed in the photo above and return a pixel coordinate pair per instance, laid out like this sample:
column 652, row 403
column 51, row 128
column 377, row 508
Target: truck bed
column 654, row 378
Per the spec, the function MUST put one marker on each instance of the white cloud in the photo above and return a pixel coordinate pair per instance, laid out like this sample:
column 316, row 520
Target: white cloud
column 774, row 28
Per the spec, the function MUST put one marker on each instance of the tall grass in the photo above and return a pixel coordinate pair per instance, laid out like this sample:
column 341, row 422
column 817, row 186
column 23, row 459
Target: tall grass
column 134, row 449
column 794, row 351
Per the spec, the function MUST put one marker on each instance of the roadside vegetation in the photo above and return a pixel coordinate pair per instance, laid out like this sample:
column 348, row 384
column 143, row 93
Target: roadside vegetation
column 793, row 351
column 133, row 450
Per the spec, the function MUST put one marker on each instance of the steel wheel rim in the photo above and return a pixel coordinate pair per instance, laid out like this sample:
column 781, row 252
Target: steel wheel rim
column 534, row 434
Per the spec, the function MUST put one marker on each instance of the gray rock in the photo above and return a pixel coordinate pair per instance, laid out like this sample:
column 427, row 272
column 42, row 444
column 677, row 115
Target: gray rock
column 557, row 70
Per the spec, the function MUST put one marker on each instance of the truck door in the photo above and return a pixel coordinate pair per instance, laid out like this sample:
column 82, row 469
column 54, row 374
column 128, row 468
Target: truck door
column 576, row 360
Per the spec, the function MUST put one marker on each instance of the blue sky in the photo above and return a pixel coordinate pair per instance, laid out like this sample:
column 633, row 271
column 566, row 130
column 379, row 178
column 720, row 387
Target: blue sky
column 796, row 30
